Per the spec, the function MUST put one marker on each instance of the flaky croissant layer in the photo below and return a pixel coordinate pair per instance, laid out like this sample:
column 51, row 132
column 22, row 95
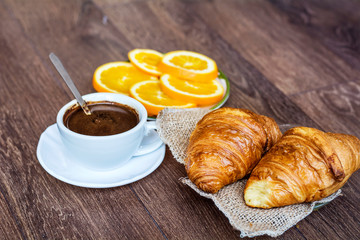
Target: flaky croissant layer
column 226, row 145
column 305, row 165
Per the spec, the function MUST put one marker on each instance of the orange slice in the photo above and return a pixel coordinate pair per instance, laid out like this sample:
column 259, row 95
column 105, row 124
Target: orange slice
column 146, row 60
column 118, row 77
column 191, row 91
column 154, row 100
column 189, row 65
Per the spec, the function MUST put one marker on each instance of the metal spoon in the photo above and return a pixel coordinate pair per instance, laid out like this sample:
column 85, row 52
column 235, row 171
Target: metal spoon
column 64, row 74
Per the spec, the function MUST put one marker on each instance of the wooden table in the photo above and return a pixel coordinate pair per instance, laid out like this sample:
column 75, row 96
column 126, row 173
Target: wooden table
column 295, row 61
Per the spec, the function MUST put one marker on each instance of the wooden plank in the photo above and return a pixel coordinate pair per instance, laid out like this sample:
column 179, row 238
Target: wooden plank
column 43, row 207
column 336, row 108
column 287, row 57
column 335, row 24
column 9, row 228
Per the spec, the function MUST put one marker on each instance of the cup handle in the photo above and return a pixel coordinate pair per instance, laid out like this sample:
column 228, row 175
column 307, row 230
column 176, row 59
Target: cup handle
column 151, row 140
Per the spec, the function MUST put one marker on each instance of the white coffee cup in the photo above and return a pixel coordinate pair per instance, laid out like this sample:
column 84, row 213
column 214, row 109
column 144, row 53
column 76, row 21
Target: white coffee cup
column 102, row 153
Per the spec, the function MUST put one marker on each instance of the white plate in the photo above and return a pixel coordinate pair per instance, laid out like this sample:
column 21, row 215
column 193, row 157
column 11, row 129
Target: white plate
column 54, row 158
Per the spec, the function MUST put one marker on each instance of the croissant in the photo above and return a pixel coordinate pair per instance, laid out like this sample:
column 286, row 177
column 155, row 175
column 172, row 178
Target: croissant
column 305, row 165
column 226, row 145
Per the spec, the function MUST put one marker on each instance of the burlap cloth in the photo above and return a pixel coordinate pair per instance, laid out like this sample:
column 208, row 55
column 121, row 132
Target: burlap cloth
column 174, row 127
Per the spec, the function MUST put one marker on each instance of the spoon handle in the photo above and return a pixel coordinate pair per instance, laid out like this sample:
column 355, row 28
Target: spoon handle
column 65, row 75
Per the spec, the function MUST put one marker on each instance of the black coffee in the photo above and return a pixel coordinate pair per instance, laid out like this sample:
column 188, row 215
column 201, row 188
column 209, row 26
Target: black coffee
column 107, row 118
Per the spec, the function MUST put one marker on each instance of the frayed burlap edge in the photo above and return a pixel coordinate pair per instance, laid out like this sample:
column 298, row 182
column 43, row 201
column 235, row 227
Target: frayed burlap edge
column 252, row 222
column 175, row 127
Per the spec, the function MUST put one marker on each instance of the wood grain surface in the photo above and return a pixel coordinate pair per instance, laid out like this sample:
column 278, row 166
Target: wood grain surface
column 295, row 61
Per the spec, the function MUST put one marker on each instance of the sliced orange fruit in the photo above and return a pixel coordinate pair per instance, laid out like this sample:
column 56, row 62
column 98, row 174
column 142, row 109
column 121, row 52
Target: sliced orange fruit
column 189, row 65
column 197, row 92
column 150, row 95
column 118, row 77
column 146, row 60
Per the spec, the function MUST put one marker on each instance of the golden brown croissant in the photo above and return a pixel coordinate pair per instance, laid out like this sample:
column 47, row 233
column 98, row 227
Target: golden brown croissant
column 226, row 145
column 305, row 165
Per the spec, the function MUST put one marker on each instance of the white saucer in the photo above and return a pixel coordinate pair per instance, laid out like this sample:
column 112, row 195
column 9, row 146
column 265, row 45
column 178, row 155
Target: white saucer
column 54, row 158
